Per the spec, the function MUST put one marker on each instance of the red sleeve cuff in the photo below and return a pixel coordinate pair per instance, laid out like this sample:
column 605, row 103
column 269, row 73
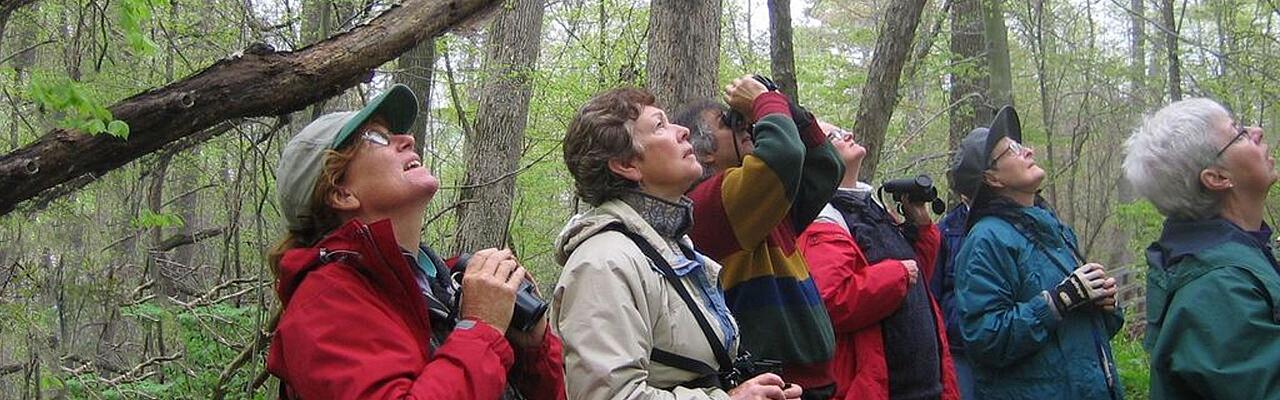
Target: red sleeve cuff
column 813, row 137
column 490, row 335
column 770, row 103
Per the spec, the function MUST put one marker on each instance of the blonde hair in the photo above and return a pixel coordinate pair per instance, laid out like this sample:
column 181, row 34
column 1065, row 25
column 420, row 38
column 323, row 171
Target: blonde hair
column 324, row 218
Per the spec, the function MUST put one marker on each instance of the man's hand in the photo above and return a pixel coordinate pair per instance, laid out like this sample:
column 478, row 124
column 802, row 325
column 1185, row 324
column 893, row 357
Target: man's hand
column 742, row 93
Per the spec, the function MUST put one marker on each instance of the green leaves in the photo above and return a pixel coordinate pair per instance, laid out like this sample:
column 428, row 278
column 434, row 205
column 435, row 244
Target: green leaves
column 133, row 13
column 75, row 100
column 148, row 220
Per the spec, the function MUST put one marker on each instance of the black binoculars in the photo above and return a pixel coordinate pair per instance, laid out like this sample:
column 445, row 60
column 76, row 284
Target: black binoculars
column 915, row 190
column 529, row 308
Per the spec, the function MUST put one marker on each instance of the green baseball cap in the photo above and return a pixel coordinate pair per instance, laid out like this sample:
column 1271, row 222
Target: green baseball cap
column 303, row 157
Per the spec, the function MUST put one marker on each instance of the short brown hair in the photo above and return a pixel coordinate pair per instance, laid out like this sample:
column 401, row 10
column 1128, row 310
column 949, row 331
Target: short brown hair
column 599, row 133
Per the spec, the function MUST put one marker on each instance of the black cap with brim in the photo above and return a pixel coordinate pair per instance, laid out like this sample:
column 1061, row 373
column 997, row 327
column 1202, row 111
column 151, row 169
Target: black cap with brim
column 398, row 105
column 973, row 157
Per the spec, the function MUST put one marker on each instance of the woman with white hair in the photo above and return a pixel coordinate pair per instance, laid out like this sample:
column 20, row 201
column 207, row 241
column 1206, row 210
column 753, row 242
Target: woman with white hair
column 1212, row 287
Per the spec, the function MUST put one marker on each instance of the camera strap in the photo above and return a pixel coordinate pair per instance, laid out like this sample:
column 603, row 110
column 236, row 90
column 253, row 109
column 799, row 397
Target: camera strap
column 710, row 375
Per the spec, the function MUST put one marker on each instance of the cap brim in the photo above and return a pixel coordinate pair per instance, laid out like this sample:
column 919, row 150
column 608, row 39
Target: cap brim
column 399, row 106
column 1005, row 124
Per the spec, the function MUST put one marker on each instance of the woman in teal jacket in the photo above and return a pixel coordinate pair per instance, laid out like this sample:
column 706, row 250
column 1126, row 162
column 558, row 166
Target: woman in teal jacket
column 1036, row 319
column 1213, row 319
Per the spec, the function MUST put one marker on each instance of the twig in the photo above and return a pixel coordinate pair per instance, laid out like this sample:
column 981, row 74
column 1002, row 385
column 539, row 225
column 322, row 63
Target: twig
column 26, row 49
column 259, row 343
column 504, row 176
column 130, row 376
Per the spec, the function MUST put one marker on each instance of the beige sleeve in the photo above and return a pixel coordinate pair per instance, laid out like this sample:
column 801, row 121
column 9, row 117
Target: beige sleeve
column 600, row 311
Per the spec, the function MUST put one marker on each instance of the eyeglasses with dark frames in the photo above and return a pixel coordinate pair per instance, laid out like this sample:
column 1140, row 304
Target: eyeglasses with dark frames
column 1241, row 131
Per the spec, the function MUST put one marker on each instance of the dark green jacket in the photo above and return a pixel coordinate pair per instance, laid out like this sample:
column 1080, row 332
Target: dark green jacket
column 1213, row 325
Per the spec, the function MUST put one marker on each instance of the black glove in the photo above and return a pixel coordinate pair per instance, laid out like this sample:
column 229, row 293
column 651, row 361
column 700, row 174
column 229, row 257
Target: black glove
column 802, row 117
column 1083, row 286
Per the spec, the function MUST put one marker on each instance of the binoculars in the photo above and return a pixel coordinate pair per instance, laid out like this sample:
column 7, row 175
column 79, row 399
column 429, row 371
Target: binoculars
column 529, row 308
column 915, row 190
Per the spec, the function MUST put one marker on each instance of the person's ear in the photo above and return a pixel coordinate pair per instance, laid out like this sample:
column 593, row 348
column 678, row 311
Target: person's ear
column 342, row 199
column 990, row 179
column 1215, row 179
column 626, row 169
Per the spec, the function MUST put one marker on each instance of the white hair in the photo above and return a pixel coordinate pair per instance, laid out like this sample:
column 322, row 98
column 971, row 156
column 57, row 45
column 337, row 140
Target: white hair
column 1165, row 155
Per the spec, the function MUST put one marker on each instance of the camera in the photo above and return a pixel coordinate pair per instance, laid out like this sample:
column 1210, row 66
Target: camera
column 529, row 308
column 745, row 367
column 915, row 190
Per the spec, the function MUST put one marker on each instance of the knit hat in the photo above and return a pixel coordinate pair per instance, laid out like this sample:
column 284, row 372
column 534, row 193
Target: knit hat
column 303, row 157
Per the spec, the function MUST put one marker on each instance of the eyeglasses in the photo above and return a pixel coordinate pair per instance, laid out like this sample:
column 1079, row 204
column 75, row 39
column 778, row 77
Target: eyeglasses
column 1014, row 147
column 1240, row 132
column 839, row 134
column 379, row 138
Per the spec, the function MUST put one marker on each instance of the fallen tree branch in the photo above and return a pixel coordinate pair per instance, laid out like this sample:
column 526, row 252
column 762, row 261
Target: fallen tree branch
column 258, row 82
column 179, row 240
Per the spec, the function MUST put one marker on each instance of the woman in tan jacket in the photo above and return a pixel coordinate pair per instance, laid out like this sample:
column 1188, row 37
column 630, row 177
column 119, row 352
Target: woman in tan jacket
column 639, row 311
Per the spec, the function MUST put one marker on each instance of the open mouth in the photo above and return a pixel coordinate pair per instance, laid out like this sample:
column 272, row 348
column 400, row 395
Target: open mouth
column 412, row 164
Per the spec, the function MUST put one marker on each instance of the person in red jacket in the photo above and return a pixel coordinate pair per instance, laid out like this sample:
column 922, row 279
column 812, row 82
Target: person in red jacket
column 368, row 312
column 871, row 272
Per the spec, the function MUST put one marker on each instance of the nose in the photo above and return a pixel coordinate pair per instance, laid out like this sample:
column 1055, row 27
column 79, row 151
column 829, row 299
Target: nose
column 1028, row 152
column 682, row 133
column 403, row 141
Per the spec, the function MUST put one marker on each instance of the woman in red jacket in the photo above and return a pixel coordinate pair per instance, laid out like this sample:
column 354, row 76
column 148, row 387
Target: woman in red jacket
column 368, row 311
column 871, row 273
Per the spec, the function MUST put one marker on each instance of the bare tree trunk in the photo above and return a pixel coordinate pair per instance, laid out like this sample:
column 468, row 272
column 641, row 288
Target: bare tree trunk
column 782, row 58
column 1040, row 51
column 684, row 50
column 317, row 24
column 968, row 71
column 1137, row 50
column 1171, row 50
column 493, row 153
column 259, row 82
column 880, row 94
column 997, row 40
column 417, row 68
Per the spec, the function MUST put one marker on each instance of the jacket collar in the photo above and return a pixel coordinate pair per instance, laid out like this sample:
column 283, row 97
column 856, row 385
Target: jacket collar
column 1181, row 238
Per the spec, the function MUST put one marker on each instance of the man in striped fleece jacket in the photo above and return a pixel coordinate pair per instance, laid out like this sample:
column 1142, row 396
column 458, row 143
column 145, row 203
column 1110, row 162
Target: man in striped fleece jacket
column 747, row 216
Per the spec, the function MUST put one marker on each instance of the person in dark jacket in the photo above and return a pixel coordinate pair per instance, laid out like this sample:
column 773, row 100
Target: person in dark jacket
column 1213, row 318
column 871, row 272
column 368, row 311
column 943, row 287
column 1036, row 318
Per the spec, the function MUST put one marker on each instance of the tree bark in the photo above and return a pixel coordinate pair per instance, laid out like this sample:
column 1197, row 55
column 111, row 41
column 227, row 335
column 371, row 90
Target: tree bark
column 684, row 51
column 417, row 69
column 782, row 58
column 997, row 43
column 880, row 94
column 259, row 82
column 493, row 153
column 1137, row 49
column 968, row 71
column 1171, row 50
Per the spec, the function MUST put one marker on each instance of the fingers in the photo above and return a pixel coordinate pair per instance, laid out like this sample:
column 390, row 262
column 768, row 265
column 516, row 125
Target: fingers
column 766, row 379
column 792, row 391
